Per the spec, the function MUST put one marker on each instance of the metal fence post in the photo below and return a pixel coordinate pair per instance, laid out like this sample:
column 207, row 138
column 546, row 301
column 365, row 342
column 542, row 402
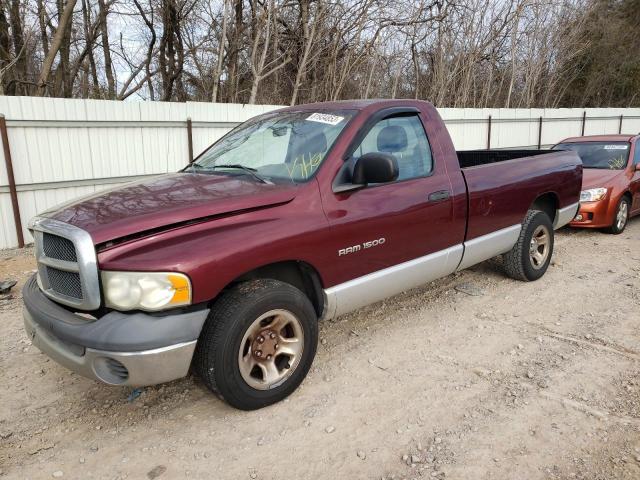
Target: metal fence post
column 190, row 139
column 12, row 182
column 584, row 121
column 540, row 133
column 489, row 133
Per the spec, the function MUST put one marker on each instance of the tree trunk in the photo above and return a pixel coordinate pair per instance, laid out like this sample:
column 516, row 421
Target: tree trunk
column 20, row 66
column 234, row 49
column 6, row 87
column 308, row 39
column 149, row 22
column 106, row 49
column 63, row 78
column 42, row 22
column 171, row 51
column 223, row 40
column 88, row 33
column 65, row 20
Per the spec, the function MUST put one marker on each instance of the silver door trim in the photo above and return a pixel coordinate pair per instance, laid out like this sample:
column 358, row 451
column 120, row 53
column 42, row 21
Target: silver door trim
column 373, row 287
column 376, row 286
column 490, row 245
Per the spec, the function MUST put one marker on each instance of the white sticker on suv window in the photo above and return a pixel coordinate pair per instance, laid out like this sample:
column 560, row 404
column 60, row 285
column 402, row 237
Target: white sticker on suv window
column 325, row 118
column 615, row 147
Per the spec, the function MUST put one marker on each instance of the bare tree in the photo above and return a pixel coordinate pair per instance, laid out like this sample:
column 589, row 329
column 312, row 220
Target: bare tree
column 221, row 48
column 483, row 53
column 56, row 43
column 262, row 38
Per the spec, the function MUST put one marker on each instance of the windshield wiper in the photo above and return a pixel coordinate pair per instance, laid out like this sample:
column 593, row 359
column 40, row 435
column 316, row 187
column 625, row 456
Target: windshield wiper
column 249, row 170
column 192, row 167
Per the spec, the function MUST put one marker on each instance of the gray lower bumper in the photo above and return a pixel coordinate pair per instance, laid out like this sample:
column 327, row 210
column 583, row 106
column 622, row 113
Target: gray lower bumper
column 133, row 349
column 147, row 367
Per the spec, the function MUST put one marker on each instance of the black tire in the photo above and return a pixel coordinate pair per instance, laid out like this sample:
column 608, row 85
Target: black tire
column 616, row 228
column 518, row 262
column 216, row 356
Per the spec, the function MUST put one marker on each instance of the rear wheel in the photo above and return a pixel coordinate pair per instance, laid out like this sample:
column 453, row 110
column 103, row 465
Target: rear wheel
column 529, row 258
column 622, row 217
column 258, row 343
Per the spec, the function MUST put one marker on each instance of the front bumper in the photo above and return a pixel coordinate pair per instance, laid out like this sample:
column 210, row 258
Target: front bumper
column 133, row 349
column 593, row 215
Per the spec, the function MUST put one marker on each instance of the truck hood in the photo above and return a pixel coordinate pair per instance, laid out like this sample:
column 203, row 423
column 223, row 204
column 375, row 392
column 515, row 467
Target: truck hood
column 165, row 201
column 598, row 177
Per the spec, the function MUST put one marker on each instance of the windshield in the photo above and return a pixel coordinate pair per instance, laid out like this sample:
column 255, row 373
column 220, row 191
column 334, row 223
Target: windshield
column 279, row 146
column 604, row 155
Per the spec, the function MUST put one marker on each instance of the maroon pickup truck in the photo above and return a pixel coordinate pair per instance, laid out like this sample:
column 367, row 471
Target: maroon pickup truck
column 296, row 215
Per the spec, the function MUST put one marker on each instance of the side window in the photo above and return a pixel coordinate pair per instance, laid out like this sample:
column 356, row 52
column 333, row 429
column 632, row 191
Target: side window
column 636, row 155
column 405, row 139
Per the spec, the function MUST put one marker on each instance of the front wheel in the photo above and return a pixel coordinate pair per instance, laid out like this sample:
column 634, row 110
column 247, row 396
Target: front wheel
column 529, row 258
column 621, row 218
column 257, row 344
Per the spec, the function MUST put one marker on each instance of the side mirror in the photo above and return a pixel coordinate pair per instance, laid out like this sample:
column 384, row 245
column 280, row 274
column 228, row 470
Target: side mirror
column 375, row 167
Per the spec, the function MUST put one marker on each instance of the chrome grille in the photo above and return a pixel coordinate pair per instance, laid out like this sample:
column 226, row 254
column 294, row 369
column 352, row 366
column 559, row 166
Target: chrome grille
column 66, row 283
column 58, row 247
column 67, row 263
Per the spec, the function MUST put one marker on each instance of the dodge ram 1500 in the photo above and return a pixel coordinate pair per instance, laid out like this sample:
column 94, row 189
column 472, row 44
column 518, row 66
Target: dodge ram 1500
column 296, row 215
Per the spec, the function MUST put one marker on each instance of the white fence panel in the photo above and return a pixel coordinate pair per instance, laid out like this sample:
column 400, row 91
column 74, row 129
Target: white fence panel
column 63, row 148
column 8, row 237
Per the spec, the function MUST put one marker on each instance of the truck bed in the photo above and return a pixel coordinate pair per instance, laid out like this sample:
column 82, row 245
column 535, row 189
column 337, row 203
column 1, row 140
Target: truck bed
column 475, row 158
column 500, row 192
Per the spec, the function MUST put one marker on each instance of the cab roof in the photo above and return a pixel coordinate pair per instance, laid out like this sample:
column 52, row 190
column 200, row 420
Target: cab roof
column 600, row 138
column 359, row 104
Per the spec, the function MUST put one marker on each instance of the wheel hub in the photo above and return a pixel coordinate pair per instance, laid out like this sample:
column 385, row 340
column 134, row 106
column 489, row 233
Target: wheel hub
column 622, row 215
column 265, row 345
column 539, row 247
column 271, row 349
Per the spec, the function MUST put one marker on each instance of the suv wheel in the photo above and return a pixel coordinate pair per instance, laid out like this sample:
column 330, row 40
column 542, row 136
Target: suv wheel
column 529, row 258
column 258, row 343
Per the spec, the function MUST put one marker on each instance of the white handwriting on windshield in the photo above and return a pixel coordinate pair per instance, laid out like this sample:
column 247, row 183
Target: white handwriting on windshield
column 307, row 168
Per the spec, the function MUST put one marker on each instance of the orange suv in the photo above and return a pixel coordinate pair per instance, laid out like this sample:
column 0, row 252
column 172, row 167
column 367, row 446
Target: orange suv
column 611, row 180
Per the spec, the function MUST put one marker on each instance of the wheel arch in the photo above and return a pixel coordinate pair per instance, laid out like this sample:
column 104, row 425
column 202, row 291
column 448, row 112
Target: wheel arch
column 300, row 274
column 615, row 199
column 548, row 203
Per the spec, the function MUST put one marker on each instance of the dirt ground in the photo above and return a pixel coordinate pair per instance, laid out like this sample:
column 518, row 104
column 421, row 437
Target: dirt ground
column 474, row 376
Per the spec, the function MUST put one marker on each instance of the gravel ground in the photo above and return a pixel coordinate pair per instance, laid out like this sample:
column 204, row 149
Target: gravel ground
column 474, row 376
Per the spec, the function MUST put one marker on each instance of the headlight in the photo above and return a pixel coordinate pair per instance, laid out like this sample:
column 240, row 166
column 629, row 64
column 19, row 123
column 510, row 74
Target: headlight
column 145, row 290
column 593, row 194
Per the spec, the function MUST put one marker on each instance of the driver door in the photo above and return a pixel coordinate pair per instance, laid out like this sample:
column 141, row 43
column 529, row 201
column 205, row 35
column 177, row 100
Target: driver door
column 392, row 225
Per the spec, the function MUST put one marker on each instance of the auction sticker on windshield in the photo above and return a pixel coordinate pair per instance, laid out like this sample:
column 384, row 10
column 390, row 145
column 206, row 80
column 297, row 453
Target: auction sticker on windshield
column 615, row 147
column 325, row 118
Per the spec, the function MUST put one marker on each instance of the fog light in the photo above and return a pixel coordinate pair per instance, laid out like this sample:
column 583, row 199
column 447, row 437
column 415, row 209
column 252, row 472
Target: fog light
column 110, row 370
column 578, row 218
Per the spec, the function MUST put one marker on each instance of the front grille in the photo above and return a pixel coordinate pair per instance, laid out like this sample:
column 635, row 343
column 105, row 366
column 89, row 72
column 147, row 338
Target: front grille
column 66, row 283
column 67, row 264
column 58, row 248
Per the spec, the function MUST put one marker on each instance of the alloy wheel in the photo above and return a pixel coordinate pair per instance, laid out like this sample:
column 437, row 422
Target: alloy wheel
column 539, row 247
column 622, row 215
column 271, row 349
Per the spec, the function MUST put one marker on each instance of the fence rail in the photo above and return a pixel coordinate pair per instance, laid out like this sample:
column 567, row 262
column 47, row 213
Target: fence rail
column 59, row 149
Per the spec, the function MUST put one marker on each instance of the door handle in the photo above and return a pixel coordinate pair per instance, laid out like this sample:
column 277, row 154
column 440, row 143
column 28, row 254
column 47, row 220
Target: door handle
column 439, row 196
